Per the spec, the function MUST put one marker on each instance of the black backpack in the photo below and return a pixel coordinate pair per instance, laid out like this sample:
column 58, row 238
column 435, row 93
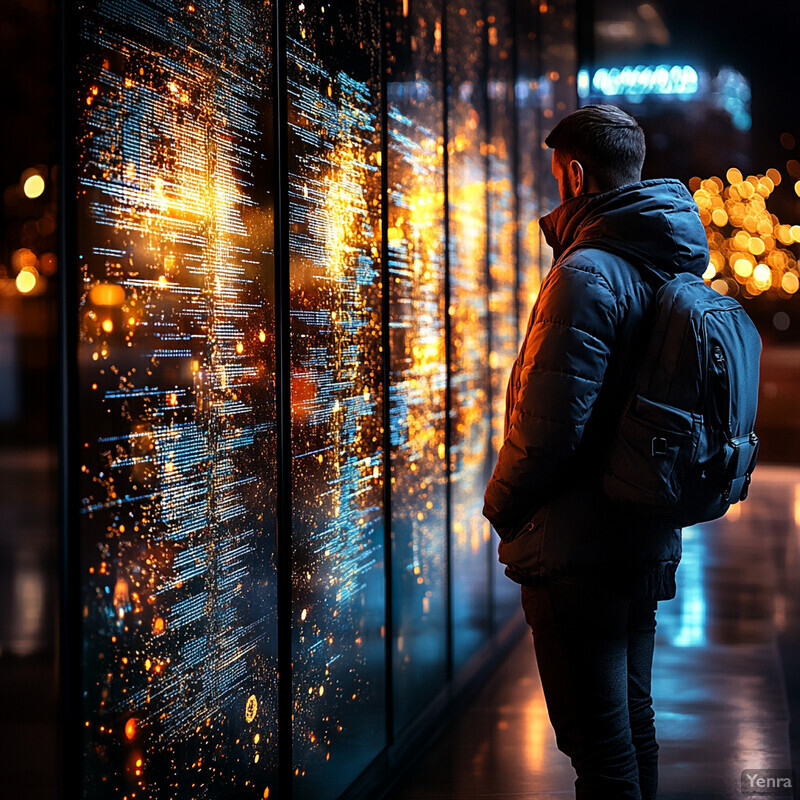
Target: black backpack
column 685, row 447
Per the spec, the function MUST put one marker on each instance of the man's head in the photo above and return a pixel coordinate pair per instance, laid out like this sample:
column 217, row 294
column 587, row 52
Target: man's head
column 596, row 149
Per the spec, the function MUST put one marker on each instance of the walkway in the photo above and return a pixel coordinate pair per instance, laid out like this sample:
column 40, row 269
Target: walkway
column 726, row 675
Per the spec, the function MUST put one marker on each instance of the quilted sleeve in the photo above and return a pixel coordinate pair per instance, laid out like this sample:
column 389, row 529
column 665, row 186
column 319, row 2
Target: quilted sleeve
column 562, row 370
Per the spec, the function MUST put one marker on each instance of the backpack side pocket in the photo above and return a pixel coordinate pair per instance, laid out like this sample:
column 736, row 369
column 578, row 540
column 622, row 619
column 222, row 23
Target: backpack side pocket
column 651, row 454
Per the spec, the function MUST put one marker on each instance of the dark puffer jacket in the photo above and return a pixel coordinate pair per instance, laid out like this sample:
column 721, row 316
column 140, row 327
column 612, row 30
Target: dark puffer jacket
column 568, row 385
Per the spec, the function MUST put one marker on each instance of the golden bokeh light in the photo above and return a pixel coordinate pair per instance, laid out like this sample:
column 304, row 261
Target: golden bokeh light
column 33, row 186
column 720, row 286
column 107, row 294
column 748, row 246
column 733, row 175
column 26, row 280
column 790, row 282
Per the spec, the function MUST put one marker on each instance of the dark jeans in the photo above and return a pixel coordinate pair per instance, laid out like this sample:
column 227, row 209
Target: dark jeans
column 594, row 648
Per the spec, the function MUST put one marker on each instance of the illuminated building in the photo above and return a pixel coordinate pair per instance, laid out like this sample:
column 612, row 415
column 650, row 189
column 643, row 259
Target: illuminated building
column 369, row 289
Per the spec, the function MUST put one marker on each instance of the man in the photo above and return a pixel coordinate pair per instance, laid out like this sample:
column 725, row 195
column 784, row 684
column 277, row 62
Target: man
column 592, row 572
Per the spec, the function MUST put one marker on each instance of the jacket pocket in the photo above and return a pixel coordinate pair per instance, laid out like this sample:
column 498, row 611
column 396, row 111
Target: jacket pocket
column 522, row 549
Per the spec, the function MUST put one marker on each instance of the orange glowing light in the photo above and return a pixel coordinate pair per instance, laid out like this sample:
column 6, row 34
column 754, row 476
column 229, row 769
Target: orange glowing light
column 26, row 280
column 131, row 728
column 48, row 263
column 720, row 286
column 24, row 258
column 733, row 175
column 108, row 325
column 251, row 709
column 33, row 186
column 790, row 283
column 719, row 217
column 743, row 267
column 107, row 294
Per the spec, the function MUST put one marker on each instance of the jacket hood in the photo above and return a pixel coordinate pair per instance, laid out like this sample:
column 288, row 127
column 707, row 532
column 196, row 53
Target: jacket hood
column 654, row 221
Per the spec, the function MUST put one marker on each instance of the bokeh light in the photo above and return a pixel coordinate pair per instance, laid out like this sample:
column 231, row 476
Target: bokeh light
column 749, row 247
column 26, row 280
column 33, row 186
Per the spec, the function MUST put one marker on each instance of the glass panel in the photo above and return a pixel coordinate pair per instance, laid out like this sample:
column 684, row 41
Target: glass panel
column 558, row 88
column 502, row 253
column 176, row 387
column 338, row 613
column 533, row 162
column 469, row 310
column 417, row 351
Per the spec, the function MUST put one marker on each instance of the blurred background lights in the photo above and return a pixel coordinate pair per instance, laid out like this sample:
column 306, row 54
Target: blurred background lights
column 639, row 80
column 33, row 186
column 26, row 280
column 107, row 294
column 24, row 258
column 781, row 320
column 749, row 248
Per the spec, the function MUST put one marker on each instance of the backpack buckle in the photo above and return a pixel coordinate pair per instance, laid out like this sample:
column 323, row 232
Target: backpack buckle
column 658, row 447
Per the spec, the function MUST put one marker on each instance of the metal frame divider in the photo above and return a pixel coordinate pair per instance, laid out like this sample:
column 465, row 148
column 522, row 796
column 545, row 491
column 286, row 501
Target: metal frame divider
column 69, row 629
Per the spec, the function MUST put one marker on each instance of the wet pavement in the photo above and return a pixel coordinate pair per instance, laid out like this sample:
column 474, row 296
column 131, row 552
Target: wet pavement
column 726, row 675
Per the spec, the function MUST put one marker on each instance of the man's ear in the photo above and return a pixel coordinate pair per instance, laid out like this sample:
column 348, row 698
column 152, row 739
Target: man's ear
column 576, row 177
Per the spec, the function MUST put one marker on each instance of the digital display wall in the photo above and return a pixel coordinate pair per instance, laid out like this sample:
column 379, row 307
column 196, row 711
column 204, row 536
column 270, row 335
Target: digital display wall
column 503, row 257
column 558, row 94
column 417, row 353
column 401, row 233
column 338, row 656
column 177, row 403
column 532, row 163
column 469, row 314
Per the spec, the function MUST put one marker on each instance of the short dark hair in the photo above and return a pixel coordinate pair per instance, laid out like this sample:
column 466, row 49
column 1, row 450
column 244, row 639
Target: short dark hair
column 608, row 143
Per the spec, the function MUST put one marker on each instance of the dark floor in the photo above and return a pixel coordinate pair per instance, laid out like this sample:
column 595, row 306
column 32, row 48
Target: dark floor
column 726, row 675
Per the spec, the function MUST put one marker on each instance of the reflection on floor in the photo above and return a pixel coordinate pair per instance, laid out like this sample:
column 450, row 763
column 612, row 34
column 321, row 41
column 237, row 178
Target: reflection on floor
column 727, row 664
column 726, row 675
column 28, row 596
